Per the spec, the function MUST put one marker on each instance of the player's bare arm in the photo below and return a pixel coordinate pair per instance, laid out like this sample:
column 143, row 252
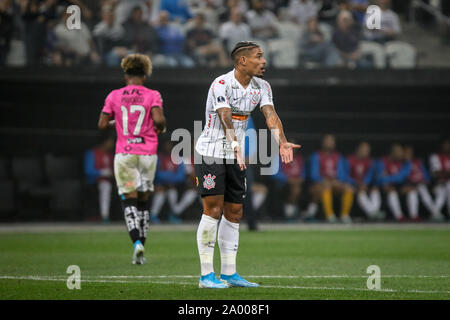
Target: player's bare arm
column 227, row 125
column 105, row 122
column 274, row 124
column 159, row 120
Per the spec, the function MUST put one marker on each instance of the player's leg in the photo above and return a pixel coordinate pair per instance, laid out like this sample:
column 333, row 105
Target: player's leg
column 327, row 201
column 172, row 197
column 365, row 202
column 228, row 236
column 428, row 202
column 440, row 196
column 104, row 193
column 394, row 204
column 316, row 193
column 375, row 197
column 159, row 198
column 144, row 212
column 412, row 201
column 347, row 197
column 146, row 168
column 291, row 205
column 211, row 186
column 127, row 177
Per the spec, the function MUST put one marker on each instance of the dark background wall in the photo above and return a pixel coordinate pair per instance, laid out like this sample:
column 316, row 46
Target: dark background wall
column 54, row 110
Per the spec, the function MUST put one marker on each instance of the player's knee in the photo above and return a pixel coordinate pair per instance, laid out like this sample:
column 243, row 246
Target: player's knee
column 214, row 211
column 234, row 214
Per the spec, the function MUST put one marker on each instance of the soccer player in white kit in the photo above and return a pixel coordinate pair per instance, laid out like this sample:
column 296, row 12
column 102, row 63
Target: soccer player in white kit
column 138, row 119
column 221, row 175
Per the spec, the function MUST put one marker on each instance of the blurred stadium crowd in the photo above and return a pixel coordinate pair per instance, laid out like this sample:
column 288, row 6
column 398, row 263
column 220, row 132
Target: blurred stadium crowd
column 188, row 33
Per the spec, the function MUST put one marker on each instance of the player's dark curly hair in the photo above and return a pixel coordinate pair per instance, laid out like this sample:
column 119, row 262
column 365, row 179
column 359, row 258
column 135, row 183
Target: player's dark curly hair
column 241, row 47
column 137, row 65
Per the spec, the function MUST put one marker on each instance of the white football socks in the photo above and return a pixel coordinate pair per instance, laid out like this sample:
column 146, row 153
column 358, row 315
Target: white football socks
column 228, row 244
column 427, row 200
column 394, row 204
column 370, row 204
column 412, row 201
column 206, row 240
column 186, row 200
column 104, row 193
column 157, row 203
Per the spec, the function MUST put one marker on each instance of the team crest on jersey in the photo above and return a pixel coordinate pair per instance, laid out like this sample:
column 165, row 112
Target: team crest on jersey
column 209, row 182
column 221, row 99
column 222, row 81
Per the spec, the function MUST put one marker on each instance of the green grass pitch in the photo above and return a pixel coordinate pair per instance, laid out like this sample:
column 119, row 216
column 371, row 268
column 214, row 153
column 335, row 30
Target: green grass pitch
column 289, row 263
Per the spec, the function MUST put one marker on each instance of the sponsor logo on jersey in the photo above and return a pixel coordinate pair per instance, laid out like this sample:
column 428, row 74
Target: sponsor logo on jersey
column 220, row 99
column 137, row 140
column 209, row 182
column 222, row 81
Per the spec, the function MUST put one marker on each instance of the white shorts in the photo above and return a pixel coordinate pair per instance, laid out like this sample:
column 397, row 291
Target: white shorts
column 134, row 172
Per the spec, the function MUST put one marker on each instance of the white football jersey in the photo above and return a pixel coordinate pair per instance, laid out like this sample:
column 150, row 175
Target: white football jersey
column 227, row 92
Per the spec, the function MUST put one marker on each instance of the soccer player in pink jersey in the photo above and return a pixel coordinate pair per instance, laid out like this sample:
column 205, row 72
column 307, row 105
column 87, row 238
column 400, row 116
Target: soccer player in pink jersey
column 138, row 119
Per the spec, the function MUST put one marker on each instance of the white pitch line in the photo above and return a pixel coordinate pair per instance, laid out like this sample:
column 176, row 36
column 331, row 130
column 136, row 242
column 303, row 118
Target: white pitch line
column 63, row 279
column 277, row 276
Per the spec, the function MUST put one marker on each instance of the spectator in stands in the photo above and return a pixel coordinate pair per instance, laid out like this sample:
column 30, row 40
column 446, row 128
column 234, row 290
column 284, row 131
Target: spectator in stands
column 440, row 171
column 225, row 11
column 328, row 11
column 234, row 30
column 302, row 10
column 416, row 185
column 346, row 39
column 36, row 14
column 209, row 8
column 98, row 167
column 328, row 174
column 6, row 28
column 291, row 177
column 203, row 47
column 172, row 42
column 109, row 37
column 315, row 48
column 262, row 21
column 141, row 36
column 74, row 46
column 168, row 177
column 392, row 172
column 361, row 172
column 390, row 25
column 357, row 7
column 124, row 8
column 178, row 9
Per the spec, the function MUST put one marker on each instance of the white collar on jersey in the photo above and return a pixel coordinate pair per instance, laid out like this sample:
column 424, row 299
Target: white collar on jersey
column 254, row 85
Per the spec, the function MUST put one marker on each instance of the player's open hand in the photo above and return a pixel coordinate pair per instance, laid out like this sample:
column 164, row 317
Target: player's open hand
column 240, row 160
column 287, row 152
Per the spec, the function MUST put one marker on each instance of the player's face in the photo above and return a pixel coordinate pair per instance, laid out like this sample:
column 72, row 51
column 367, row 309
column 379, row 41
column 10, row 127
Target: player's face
column 256, row 64
column 329, row 143
column 364, row 150
column 397, row 152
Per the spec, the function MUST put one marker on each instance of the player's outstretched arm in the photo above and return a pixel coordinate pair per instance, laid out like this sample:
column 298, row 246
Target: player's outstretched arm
column 227, row 125
column 105, row 122
column 274, row 124
column 159, row 120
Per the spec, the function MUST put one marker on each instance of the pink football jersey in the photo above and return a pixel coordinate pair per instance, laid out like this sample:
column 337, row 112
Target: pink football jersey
column 130, row 106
